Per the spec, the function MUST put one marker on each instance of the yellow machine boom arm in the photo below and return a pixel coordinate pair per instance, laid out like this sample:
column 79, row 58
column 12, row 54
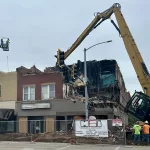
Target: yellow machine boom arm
column 131, row 47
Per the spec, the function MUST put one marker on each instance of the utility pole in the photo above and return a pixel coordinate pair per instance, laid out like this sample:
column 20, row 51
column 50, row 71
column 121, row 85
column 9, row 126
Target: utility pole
column 85, row 77
column 85, row 84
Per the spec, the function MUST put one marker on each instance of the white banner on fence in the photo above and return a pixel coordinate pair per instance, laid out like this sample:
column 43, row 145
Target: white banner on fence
column 91, row 128
column 117, row 122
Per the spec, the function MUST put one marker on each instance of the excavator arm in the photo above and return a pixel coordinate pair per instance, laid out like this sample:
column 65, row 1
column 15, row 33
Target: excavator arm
column 99, row 18
column 131, row 47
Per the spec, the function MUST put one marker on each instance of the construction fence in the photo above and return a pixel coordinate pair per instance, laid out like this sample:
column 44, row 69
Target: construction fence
column 79, row 131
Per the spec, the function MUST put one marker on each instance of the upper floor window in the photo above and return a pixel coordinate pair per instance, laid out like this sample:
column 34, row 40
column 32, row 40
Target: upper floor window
column 48, row 91
column 29, row 93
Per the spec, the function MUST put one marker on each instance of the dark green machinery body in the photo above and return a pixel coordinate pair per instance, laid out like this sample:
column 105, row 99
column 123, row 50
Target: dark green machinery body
column 139, row 106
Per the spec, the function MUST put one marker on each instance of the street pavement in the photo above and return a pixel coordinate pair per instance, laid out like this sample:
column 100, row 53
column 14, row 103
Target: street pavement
column 64, row 146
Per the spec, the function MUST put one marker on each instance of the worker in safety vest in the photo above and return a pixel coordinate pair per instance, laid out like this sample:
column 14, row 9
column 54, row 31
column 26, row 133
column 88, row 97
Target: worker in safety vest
column 145, row 130
column 137, row 134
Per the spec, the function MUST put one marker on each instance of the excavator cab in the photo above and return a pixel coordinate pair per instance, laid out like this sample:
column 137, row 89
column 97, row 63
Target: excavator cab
column 139, row 106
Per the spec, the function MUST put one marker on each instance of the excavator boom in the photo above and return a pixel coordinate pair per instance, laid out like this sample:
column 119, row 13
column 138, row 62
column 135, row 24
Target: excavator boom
column 99, row 18
column 131, row 47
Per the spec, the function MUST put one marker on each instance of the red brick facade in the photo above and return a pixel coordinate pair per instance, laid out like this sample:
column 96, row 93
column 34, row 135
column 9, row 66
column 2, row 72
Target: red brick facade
column 35, row 76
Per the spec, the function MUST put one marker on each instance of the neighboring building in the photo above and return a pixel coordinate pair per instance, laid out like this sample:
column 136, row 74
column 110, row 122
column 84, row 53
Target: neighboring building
column 35, row 91
column 8, row 90
column 8, row 97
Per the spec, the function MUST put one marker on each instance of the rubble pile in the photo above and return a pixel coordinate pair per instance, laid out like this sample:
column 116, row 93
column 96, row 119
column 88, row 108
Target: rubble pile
column 62, row 138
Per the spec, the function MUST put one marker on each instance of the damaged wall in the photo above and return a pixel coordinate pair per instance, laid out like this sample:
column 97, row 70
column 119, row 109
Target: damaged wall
column 101, row 73
column 104, row 80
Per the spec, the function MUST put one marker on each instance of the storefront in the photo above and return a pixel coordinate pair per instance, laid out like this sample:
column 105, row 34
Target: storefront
column 7, row 121
column 35, row 117
column 51, row 115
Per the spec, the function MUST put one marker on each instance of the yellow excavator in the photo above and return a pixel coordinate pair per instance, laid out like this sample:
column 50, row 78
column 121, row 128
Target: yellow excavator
column 139, row 104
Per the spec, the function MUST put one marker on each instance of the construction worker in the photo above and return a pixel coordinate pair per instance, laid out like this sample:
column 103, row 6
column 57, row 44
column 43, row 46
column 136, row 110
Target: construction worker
column 137, row 133
column 145, row 130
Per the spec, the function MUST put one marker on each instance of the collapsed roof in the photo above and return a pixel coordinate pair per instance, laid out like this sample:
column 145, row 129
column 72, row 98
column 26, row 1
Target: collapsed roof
column 99, row 73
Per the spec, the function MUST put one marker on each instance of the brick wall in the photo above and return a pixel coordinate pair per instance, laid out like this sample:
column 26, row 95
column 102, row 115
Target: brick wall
column 36, row 77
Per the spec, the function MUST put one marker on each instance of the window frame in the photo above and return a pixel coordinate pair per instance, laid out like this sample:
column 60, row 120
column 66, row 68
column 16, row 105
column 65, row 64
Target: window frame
column 29, row 92
column 48, row 85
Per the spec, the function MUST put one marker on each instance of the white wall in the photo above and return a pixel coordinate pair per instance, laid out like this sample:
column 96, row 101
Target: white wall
column 7, row 104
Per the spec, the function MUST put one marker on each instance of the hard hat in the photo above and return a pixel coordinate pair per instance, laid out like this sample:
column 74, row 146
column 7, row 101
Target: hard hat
column 146, row 121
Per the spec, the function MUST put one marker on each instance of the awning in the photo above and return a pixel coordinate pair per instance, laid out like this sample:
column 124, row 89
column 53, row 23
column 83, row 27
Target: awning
column 6, row 114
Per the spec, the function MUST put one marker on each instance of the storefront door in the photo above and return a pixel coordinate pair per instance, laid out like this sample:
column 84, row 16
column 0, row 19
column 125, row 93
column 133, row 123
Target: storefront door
column 35, row 126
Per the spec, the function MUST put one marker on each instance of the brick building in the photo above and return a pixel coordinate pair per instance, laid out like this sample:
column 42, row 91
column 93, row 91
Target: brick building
column 35, row 90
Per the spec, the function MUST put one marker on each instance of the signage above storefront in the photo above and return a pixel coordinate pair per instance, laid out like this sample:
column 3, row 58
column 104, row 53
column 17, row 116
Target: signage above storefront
column 35, row 105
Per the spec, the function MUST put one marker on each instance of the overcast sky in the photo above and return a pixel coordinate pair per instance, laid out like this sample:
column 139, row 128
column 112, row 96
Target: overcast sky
column 37, row 28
